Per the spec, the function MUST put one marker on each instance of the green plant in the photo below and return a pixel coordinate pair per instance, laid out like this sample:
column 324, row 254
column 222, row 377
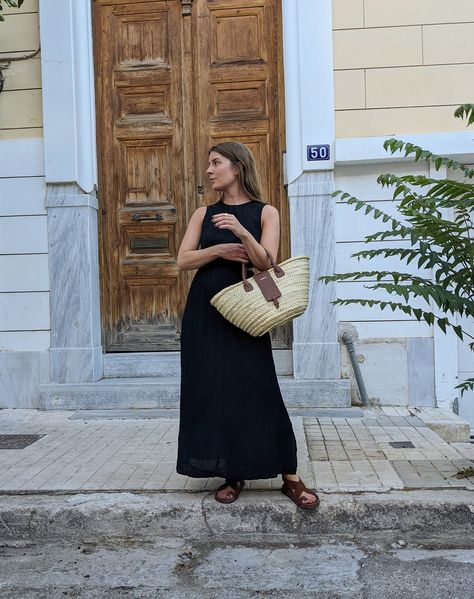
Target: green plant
column 11, row 4
column 439, row 241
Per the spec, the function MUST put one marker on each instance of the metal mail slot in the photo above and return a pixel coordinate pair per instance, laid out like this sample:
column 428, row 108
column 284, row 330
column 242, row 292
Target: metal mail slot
column 149, row 243
column 139, row 217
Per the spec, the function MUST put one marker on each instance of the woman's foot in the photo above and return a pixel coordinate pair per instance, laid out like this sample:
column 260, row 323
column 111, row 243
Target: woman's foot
column 229, row 491
column 299, row 495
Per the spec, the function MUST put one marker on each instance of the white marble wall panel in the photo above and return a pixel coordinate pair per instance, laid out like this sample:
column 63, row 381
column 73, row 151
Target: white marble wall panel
column 24, row 272
column 354, row 312
column 421, row 379
column 360, row 180
column 22, row 157
column 24, row 311
column 466, row 403
column 380, row 329
column 22, row 373
column 465, row 354
column 24, row 278
column 24, row 341
column 22, row 196
column 413, row 356
column 23, row 235
column 354, row 225
column 345, row 262
column 383, row 328
column 315, row 345
column 76, row 352
column 384, row 368
column 163, row 364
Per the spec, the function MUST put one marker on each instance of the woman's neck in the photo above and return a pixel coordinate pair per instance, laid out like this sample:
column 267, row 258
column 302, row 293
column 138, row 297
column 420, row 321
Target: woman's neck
column 231, row 197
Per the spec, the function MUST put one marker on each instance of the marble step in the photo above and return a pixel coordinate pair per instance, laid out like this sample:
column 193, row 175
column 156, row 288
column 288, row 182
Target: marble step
column 163, row 392
column 154, row 413
column 167, row 364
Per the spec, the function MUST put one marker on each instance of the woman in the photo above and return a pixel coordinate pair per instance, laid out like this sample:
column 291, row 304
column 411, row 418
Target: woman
column 233, row 422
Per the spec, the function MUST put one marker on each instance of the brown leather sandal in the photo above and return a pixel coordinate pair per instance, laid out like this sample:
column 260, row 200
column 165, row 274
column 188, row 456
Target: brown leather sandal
column 236, row 486
column 294, row 489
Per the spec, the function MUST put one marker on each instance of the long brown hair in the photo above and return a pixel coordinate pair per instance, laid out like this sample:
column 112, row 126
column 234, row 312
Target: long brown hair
column 242, row 158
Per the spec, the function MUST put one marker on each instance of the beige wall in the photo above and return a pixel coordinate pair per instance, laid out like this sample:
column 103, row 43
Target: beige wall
column 20, row 101
column 402, row 66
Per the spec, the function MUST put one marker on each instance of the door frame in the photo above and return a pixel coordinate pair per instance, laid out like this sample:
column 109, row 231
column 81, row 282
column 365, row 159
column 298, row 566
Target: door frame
column 71, row 164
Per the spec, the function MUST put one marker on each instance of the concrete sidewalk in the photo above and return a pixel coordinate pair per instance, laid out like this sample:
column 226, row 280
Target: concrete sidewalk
column 339, row 451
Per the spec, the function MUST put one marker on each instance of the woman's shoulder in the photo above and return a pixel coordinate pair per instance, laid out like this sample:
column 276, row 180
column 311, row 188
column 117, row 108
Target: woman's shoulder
column 200, row 211
column 198, row 215
column 269, row 209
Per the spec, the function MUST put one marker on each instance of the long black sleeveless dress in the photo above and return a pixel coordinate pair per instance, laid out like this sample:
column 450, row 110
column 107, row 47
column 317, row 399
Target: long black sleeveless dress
column 233, row 421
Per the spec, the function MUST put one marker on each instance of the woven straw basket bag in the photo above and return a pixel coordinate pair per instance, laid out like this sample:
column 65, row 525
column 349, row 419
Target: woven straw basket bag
column 268, row 299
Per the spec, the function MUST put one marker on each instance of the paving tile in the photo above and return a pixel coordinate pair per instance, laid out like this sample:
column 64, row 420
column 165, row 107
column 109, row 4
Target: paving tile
column 323, row 473
column 334, row 454
column 387, row 474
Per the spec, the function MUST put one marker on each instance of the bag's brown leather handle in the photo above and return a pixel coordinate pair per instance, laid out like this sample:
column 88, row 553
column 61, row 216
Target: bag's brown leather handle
column 278, row 270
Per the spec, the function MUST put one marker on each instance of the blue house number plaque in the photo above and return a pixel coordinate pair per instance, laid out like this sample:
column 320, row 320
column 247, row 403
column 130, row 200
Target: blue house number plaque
column 320, row 152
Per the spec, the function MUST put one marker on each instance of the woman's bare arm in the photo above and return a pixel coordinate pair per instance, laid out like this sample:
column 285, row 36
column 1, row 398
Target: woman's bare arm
column 270, row 239
column 189, row 257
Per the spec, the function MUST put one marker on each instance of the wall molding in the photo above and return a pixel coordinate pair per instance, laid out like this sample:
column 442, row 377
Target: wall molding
column 309, row 83
column 458, row 145
column 68, row 92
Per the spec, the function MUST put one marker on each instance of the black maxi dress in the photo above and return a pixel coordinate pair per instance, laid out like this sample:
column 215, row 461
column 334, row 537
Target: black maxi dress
column 233, row 421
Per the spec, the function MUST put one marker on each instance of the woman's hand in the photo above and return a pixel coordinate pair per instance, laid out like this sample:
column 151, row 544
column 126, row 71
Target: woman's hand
column 233, row 251
column 229, row 221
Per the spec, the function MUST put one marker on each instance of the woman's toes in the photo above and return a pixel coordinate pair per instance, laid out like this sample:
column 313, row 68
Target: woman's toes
column 225, row 493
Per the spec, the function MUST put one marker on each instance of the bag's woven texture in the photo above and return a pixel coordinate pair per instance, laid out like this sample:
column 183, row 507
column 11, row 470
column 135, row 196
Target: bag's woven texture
column 250, row 311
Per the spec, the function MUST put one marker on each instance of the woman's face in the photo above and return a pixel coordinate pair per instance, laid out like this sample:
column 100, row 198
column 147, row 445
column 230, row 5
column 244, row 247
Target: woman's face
column 220, row 171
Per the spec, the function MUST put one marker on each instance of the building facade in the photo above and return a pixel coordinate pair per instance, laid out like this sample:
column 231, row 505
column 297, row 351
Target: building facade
column 123, row 93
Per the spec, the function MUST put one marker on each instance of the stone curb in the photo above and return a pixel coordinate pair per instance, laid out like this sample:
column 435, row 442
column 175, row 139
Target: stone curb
column 107, row 517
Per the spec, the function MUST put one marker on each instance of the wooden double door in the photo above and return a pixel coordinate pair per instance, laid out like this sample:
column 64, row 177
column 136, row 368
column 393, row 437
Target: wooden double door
column 174, row 77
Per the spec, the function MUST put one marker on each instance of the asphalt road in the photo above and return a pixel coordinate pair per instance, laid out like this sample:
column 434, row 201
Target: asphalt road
column 369, row 566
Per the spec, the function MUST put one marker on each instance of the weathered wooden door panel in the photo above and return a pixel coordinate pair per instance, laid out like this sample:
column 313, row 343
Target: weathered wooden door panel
column 172, row 78
column 138, row 62
column 239, row 83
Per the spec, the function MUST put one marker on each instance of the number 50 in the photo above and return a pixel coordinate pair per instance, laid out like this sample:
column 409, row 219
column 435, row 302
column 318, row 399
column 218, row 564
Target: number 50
column 320, row 152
